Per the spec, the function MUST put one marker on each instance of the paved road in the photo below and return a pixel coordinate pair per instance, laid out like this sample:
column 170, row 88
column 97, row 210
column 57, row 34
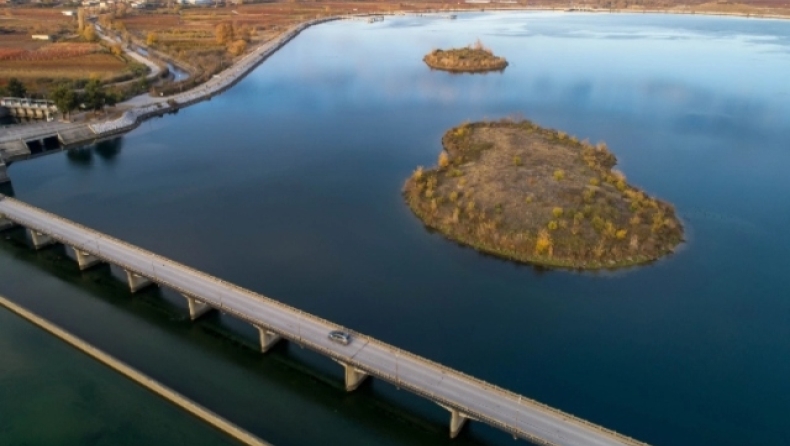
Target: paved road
column 512, row 413
column 143, row 106
column 44, row 129
column 153, row 69
column 38, row 129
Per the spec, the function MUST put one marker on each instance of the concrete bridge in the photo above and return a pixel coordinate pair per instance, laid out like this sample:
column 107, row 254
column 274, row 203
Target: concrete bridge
column 464, row 397
column 29, row 108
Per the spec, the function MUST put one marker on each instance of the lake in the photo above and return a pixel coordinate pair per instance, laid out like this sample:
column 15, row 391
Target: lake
column 289, row 184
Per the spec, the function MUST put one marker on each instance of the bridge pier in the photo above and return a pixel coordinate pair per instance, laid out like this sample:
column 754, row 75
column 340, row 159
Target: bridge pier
column 457, row 422
column 6, row 223
column 197, row 308
column 3, row 173
column 136, row 281
column 268, row 338
column 84, row 260
column 354, row 376
column 39, row 240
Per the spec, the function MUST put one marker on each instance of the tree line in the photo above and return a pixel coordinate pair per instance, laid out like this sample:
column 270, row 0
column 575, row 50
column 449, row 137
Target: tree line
column 67, row 96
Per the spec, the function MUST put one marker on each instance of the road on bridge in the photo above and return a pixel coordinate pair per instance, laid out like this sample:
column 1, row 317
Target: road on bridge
column 472, row 397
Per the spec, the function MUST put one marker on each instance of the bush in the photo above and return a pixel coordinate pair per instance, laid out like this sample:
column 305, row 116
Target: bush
column 588, row 195
column 544, row 244
column 621, row 233
column 559, row 174
column 517, row 161
column 557, row 212
column 237, row 48
column 595, row 181
column 598, row 224
column 610, row 230
column 553, row 225
column 418, row 173
column 444, row 160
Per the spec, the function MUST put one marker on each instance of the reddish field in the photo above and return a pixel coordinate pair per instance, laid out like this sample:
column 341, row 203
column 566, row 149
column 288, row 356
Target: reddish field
column 101, row 65
column 188, row 34
column 52, row 52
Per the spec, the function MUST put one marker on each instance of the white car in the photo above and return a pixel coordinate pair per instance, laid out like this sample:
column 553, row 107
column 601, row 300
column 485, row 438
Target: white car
column 341, row 337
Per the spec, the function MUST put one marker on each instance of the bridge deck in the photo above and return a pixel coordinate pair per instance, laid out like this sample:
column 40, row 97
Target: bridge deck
column 477, row 399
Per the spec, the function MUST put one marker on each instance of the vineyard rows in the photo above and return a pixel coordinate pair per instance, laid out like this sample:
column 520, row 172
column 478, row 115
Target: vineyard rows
column 50, row 52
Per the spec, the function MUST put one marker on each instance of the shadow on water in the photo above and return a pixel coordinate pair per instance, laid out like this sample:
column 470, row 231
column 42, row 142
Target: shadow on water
column 7, row 189
column 106, row 150
column 109, row 149
column 308, row 378
column 81, row 157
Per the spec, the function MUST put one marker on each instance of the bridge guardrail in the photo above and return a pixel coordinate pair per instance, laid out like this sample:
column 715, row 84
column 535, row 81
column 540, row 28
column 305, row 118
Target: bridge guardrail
column 519, row 399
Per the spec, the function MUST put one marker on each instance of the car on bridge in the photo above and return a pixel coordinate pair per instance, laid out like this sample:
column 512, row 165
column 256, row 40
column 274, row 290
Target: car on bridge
column 341, row 337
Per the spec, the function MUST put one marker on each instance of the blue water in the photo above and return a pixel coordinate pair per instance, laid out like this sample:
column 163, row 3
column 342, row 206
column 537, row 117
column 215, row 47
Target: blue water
column 289, row 184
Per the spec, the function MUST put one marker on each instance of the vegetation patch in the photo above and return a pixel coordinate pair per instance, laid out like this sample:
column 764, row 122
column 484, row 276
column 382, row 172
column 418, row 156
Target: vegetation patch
column 472, row 59
column 540, row 196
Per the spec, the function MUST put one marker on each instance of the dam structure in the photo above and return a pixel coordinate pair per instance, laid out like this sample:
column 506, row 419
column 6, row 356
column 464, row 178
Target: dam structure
column 463, row 396
column 23, row 142
column 28, row 108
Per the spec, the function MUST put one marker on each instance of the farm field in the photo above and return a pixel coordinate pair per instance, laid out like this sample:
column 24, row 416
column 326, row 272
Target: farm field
column 99, row 65
column 41, row 64
column 206, row 40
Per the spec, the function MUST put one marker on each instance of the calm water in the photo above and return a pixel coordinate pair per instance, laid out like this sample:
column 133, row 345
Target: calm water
column 289, row 184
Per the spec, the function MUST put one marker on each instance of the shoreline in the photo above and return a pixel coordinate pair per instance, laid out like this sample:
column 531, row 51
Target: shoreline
column 145, row 381
column 144, row 107
column 609, row 228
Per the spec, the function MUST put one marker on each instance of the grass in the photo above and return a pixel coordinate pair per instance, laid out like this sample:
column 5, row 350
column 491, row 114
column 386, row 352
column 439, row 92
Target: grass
column 522, row 212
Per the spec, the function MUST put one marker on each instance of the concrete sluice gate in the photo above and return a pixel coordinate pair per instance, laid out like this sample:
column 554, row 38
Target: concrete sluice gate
column 37, row 146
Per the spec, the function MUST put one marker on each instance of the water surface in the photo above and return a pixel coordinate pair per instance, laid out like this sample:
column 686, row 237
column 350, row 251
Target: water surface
column 289, row 184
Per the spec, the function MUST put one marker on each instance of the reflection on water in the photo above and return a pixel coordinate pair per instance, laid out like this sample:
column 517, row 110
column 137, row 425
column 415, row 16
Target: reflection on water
column 289, row 184
column 107, row 150
column 80, row 157
column 7, row 189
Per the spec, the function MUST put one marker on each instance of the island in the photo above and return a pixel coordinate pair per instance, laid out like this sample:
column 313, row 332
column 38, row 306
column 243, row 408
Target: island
column 472, row 59
column 515, row 190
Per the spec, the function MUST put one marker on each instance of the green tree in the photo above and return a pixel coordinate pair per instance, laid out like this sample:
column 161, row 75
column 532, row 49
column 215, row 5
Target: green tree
column 93, row 96
column 64, row 97
column 15, row 88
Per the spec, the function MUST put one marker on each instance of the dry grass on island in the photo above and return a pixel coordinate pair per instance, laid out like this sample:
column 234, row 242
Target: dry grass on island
column 472, row 59
column 535, row 195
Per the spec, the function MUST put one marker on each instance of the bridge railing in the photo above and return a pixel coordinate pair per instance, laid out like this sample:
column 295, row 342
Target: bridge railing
column 397, row 352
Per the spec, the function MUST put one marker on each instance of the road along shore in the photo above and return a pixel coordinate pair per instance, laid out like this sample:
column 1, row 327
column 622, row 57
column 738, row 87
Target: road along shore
column 154, row 386
column 144, row 106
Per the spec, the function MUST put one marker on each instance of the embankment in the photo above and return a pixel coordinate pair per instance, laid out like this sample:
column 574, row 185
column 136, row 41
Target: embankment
column 136, row 376
column 219, row 83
